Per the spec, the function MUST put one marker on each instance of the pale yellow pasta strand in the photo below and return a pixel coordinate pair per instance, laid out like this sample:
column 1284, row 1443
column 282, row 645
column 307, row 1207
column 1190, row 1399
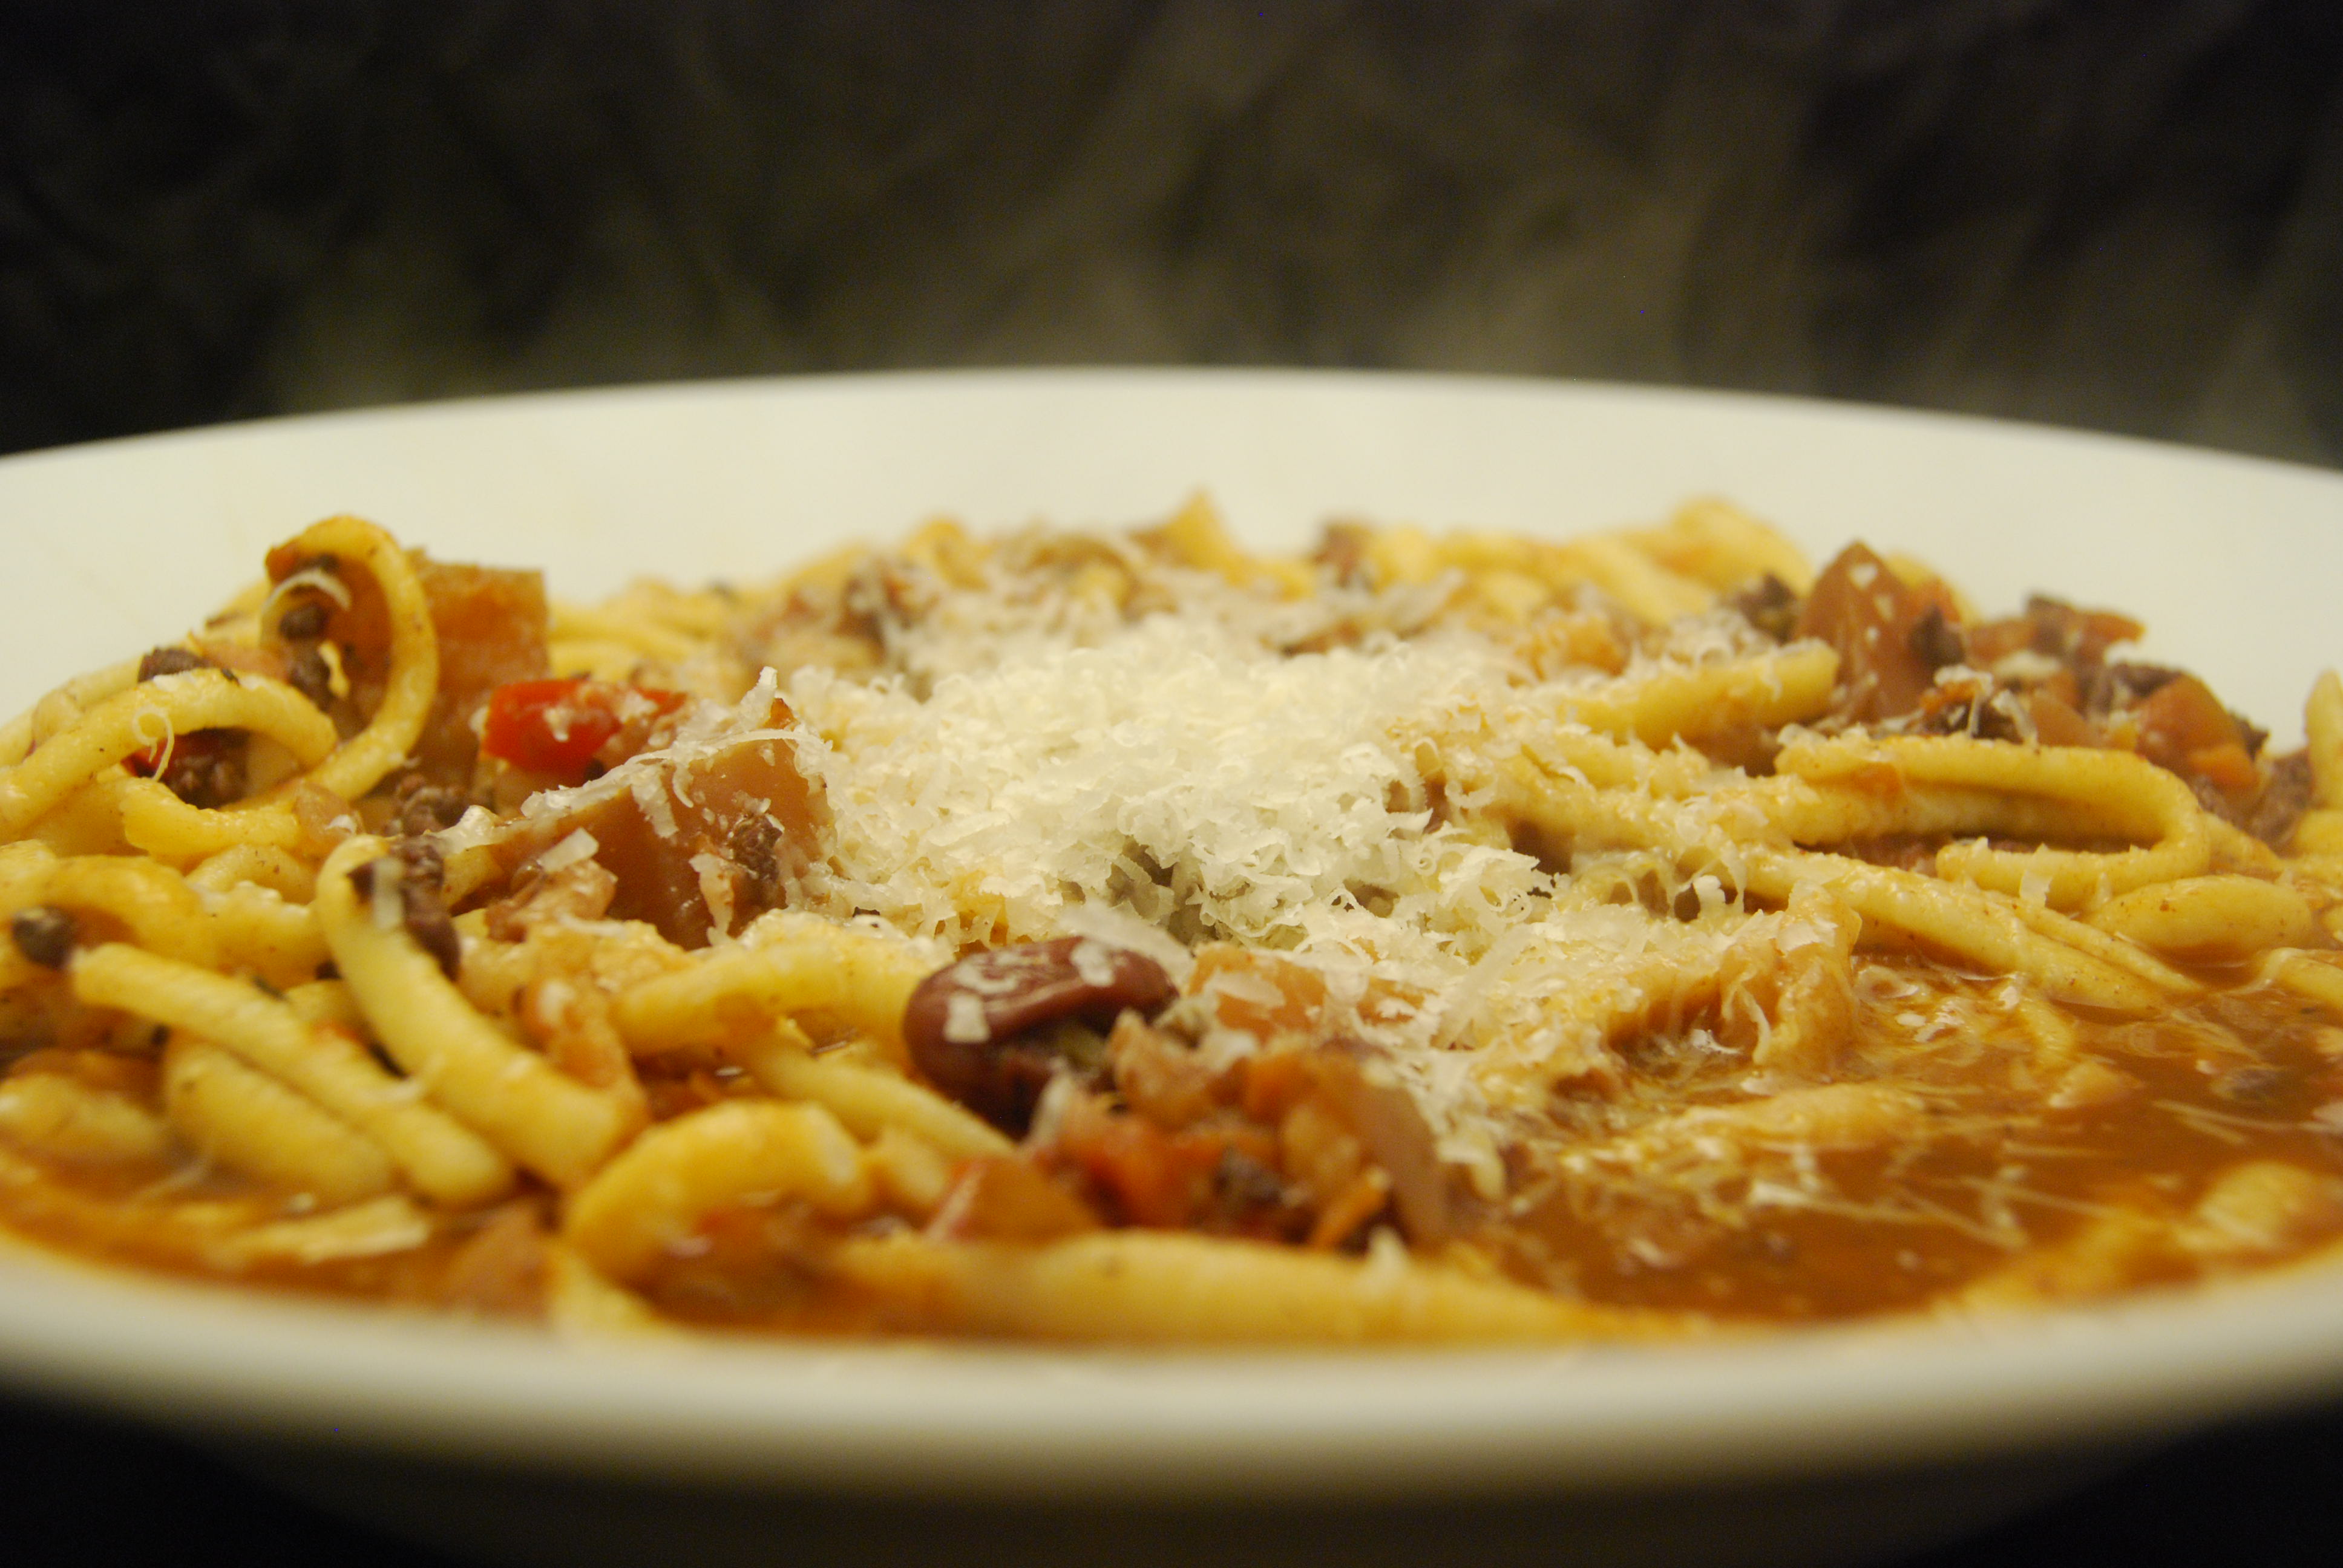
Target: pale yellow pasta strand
column 154, row 819
column 866, row 1100
column 59, row 709
column 1159, row 1287
column 225, row 1235
column 2127, row 796
column 1635, row 578
column 1716, row 543
column 364, row 760
column 1826, row 1116
column 652, row 1196
column 1635, row 779
column 1198, row 538
column 164, row 826
column 374, row 1228
column 1572, row 815
column 2114, row 951
column 2073, row 961
column 151, row 901
column 2235, row 849
column 255, row 930
column 248, row 1121
column 181, row 1230
column 537, row 1116
column 1675, row 976
column 62, row 1117
column 2323, row 723
column 2111, row 1251
column 1804, row 959
column 1601, row 762
column 1695, row 700
column 801, row 967
column 2319, row 835
column 1624, row 791
column 2320, row 831
column 147, row 714
column 597, row 658
column 2210, row 920
column 444, row 1160
column 24, row 873
column 1997, row 935
column 88, row 821
column 589, row 626
column 707, row 612
column 2066, row 1076
column 2260, row 1209
column 2307, row 978
column 259, row 866
column 1816, row 815
column 580, row 1305
column 325, row 1002
column 1634, row 798
column 912, row 1176
column 1640, row 584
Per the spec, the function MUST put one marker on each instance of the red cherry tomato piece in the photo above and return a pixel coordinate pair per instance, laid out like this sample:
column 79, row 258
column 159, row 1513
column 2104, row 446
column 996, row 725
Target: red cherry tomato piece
column 555, row 726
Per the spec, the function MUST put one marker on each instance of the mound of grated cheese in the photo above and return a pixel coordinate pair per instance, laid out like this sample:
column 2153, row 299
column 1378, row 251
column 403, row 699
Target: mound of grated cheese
column 1214, row 789
column 1181, row 779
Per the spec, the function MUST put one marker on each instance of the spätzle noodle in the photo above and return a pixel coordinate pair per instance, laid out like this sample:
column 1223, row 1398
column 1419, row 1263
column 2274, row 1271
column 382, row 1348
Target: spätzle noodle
column 1126, row 937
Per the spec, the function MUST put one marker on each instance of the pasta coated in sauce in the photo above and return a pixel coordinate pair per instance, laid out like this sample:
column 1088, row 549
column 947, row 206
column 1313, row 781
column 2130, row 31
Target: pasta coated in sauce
column 1127, row 937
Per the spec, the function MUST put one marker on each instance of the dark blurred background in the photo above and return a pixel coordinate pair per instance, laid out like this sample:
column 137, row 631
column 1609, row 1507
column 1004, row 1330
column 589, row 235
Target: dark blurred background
column 2124, row 215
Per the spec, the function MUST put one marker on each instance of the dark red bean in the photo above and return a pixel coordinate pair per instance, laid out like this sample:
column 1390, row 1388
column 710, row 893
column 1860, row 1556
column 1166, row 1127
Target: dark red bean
column 429, row 808
column 421, row 874
column 304, row 620
column 170, row 662
column 44, row 934
column 1391, row 1130
column 1771, row 606
column 205, row 768
column 755, row 845
column 980, row 1029
column 313, row 678
column 1937, row 641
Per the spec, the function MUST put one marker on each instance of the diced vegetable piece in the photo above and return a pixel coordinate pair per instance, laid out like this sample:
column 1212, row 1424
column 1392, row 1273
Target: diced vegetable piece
column 555, row 726
column 1880, row 628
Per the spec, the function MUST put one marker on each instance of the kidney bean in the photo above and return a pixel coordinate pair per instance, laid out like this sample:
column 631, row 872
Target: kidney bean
column 304, row 620
column 1393, row 1133
column 170, row 662
column 44, row 934
column 313, row 678
column 203, row 767
column 427, row 807
column 988, row 1030
column 417, row 863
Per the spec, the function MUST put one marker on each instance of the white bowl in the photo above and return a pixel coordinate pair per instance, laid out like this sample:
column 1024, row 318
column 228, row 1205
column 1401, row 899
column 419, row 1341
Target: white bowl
column 1814, row 1446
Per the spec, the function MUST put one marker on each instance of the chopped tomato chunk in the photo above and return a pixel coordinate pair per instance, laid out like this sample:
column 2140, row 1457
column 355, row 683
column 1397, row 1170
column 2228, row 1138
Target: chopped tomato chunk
column 1153, row 1177
column 2077, row 639
column 2184, row 727
column 1881, row 626
column 1270, row 996
column 555, row 726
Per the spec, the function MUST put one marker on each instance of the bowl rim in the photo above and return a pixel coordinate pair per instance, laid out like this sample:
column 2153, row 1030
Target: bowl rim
column 924, row 1419
column 1001, row 1421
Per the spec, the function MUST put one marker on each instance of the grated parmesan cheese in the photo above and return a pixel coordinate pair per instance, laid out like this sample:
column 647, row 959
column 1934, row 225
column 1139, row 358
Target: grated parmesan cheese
column 1215, row 788
column 1024, row 770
